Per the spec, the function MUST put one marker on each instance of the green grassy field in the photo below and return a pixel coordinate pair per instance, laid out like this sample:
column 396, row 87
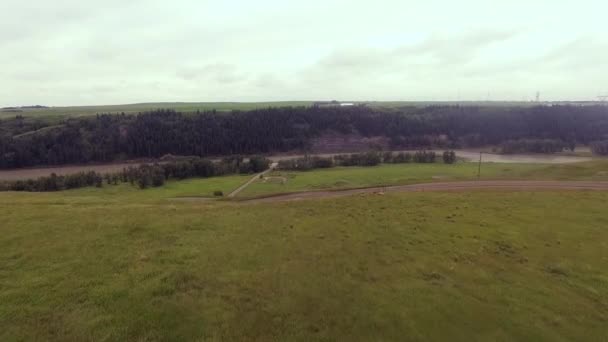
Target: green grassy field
column 397, row 174
column 127, row 193
column 141, row 107
column 198, row 187
column 120, row 265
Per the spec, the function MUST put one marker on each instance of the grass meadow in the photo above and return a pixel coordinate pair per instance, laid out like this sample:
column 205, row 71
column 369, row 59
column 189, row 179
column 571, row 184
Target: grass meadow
column 475, row 266
column 59, row 112
column 399, row 174
column 123, row 264
column 195, row 187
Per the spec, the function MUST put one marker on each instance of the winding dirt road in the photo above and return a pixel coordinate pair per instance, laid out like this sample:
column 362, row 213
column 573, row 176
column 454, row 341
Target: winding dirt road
column 438, row 187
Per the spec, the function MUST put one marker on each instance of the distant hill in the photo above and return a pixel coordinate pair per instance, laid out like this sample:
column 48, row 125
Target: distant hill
column 27, row 107
column 192, row 107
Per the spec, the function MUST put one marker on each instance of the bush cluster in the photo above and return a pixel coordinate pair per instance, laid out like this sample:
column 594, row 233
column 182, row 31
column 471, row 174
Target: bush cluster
column 364, row 159
column 600, row 147
column 144, row 176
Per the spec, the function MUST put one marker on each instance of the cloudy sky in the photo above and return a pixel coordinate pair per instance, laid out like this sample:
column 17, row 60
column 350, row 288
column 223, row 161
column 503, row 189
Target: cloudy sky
column 74, row 52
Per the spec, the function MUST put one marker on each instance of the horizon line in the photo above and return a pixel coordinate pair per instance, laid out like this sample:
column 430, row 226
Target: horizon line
column 311, row 101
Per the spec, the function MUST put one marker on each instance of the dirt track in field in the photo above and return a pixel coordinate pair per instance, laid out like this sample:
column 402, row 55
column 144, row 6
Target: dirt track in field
column 438, row 187
column 253, row 179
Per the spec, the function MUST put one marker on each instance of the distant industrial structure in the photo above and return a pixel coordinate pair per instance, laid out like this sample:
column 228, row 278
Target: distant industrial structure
column 334, row 103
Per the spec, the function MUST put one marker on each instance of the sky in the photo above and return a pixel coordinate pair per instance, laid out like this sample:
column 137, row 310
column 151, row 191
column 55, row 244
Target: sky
column 74, row 52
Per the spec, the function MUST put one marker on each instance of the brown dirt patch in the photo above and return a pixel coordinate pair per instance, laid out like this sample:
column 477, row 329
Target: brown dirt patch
column 439, row 187
column 64, row 170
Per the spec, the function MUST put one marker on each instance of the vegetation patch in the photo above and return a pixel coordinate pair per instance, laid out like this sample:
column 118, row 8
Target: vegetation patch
column 411, row 173
column 154, row 133
column 144, row 175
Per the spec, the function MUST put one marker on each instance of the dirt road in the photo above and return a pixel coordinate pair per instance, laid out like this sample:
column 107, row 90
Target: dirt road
column 437, row 187
column 253, row 179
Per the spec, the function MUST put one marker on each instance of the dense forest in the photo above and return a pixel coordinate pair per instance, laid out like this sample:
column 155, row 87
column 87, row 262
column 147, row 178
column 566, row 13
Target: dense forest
column 103, row 138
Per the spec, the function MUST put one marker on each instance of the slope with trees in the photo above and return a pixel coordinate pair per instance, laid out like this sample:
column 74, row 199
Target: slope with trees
column 105, row 138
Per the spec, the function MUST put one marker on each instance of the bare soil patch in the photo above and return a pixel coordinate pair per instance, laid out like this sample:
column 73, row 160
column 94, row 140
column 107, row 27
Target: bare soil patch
column 275, row 180
column 64, row 170
column 521, row 158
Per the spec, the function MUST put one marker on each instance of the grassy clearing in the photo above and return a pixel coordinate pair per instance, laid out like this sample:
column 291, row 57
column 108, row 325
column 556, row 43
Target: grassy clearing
column 397, row 174
column 127, row 193
column 595, row 170
column 58, row 112
column 197, row 187
column 425, row 266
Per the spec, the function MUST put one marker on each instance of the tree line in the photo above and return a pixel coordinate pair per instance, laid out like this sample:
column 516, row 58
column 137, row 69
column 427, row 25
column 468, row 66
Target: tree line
column 143, row 176
column 155, row 175
column 536, row 146
column 110, row 137
column 371, row 158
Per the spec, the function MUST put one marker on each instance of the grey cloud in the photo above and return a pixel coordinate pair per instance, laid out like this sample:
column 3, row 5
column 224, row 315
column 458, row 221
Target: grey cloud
column 450, row 49
column 269, row 81
column 38, row 20
column 66, row 52
column 222, row 73
column 577, row 56
column 436, row 52
column 581, row 52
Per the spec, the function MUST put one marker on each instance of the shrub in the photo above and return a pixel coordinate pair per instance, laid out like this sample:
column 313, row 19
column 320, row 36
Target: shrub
column 322, row 163
column 259, row 164
column 425, row 157
column 306, row 163
column 449, row 157
column 401, row 158
column 371, row 158
column 600, row 147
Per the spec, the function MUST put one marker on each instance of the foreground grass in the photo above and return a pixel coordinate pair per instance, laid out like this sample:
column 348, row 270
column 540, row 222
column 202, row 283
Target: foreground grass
column 397, row 174
column 424, row 266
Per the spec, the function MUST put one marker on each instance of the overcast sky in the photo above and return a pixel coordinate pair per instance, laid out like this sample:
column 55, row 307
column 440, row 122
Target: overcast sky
column 75, row 52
